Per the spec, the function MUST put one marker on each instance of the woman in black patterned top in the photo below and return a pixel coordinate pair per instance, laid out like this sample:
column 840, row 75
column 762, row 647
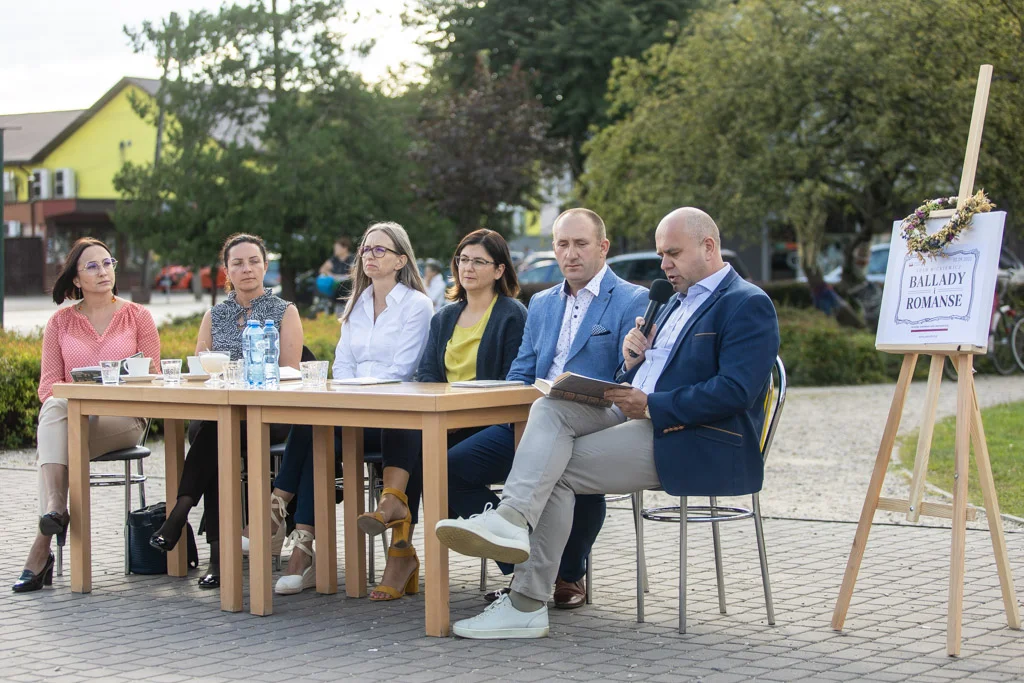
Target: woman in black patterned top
column 245, row 258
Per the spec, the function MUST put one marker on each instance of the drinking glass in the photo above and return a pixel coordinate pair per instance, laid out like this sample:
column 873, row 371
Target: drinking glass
column 110, row 371
column 234, row 373
column 310, row 373
column 213, row 362
column 171, row 367
column 321, row 372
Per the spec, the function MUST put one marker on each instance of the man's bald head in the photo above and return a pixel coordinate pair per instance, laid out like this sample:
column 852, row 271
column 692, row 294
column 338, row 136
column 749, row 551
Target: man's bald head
column 690, row 247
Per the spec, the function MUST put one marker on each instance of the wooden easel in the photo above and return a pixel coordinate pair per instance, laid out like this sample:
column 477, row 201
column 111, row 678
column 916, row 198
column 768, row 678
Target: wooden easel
column 968, row 429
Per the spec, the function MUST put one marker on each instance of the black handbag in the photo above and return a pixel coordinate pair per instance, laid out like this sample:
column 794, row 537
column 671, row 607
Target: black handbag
column 144, row 558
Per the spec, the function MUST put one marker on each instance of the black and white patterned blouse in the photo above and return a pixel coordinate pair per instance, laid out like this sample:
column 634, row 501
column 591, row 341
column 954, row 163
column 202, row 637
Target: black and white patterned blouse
column 228, row 319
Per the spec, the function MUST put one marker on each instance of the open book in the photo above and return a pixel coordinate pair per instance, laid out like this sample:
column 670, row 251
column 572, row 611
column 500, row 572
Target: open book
column 486, row 383
column 91, row 373
column 572, row 387
column 361, row 381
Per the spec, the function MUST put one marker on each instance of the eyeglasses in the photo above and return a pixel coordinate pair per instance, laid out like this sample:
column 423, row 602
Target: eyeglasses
column 376, row 252
column 94, row 267
column 465, row 261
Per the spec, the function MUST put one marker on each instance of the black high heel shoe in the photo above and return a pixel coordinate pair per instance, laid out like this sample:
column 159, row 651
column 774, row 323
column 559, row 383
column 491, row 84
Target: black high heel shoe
column 165, row 539
column 30, row 581
column 55, row 524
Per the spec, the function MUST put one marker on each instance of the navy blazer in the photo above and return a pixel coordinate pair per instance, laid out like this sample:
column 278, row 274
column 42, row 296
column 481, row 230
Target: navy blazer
column 596, row 350
column 707, row 407
column 498, row 345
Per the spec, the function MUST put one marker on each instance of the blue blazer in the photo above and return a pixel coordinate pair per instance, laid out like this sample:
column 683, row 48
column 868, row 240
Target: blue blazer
column 707, row 407
column 597, row 349
column 498, row 345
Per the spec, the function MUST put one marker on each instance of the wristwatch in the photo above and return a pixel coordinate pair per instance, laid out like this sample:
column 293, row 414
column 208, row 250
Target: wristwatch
column 647, row 412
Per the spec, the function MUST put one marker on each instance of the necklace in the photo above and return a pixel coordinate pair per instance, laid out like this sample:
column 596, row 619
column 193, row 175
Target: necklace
column 113, row 300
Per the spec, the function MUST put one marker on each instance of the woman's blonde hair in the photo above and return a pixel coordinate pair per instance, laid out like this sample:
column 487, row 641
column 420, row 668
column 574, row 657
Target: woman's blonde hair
column 409, row 275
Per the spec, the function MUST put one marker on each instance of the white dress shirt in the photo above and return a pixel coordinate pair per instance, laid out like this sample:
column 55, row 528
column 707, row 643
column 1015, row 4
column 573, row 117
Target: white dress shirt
column 389, row 348
column 656, row 357
column 575, row 310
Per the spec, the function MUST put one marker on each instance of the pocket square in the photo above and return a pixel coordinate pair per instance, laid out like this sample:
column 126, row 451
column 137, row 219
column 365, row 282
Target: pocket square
column 597, row 330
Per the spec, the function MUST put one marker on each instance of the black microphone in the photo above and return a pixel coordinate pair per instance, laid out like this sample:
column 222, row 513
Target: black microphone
column 661, row 292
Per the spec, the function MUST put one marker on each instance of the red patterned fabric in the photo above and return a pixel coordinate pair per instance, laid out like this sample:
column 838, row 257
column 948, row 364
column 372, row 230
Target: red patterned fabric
column 70, row 341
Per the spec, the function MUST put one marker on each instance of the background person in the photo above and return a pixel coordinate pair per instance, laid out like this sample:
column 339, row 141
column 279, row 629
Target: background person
column 433, row 280
column 476, row 337
column 101, row 326
column 688, row 419
column 577, row 326
column 245, row 258
column 383, row 331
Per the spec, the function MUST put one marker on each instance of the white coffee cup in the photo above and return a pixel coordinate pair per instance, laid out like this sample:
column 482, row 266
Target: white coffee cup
column 194, row 366
column 138, row 366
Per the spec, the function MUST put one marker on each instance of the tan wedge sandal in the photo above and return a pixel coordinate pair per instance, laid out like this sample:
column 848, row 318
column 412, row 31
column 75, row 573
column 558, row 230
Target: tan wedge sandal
column 412, row 584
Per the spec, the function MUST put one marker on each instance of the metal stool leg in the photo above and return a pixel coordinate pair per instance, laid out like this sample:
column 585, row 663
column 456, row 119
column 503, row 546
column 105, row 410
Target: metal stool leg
column 371, row 505
column 719, row 574
column 682, row 564
column 127, row 511
column 142, row 485
column 762, row 555
column 590, row 577
column 641, row 560
column 483, row 574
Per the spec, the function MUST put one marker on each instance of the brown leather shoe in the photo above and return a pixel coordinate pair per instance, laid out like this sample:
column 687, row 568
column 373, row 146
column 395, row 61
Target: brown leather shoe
column 570, row 595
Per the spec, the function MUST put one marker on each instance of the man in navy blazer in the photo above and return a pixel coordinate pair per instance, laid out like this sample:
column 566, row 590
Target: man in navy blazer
column 577, row 326
column 688, row 418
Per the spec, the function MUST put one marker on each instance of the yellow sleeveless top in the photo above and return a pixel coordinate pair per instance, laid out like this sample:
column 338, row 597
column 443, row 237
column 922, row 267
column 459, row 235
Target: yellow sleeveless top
column 460, row 352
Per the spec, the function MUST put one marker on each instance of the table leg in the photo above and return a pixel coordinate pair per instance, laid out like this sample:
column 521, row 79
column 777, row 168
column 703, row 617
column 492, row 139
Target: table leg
column 435, row 508
column 78, row 481
column 261, row 599
column 229, row 474
column 355, row 540
column 325, row 510
column 174, row 460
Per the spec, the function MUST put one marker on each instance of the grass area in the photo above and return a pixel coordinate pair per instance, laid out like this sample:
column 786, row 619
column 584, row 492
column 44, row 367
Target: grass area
column 1006, row 451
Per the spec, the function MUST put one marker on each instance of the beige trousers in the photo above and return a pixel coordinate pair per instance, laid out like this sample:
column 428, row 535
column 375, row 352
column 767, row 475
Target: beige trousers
column 105, row 434
column 569, row 449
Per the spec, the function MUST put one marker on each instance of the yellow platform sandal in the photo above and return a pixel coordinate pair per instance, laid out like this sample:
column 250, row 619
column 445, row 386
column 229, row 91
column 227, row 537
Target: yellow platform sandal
column 372, row 523
column 412, row 584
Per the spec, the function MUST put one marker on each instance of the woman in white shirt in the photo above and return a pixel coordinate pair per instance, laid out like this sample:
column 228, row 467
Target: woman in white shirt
column 384, row 329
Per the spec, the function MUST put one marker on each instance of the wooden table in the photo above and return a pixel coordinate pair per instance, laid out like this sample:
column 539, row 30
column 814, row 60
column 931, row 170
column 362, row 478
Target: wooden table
column 432, row 408
column 187, row 401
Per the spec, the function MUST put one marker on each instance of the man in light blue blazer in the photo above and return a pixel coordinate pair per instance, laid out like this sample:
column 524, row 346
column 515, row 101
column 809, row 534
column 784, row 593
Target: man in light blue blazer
column 577, row 326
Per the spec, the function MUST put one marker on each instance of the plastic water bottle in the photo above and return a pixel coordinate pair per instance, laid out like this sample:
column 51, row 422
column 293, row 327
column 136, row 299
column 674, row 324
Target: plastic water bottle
column 253, row 346
column 271, row 361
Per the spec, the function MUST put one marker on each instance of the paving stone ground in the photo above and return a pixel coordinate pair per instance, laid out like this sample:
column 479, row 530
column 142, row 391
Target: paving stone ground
column 158, row 628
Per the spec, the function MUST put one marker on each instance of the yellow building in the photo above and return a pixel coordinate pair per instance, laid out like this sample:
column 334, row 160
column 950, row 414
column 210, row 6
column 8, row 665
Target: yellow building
column 58, row 181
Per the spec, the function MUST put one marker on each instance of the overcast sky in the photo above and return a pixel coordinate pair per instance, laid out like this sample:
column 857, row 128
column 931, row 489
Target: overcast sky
column 64, row 54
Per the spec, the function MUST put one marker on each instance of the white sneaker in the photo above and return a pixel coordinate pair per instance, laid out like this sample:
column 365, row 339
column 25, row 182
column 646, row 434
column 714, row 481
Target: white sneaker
column 502, row 620
column 486, row 535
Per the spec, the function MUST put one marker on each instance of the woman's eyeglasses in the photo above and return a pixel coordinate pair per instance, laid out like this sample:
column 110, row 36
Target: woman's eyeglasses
column 376, row 252
column 465, row 262
column 94, row 267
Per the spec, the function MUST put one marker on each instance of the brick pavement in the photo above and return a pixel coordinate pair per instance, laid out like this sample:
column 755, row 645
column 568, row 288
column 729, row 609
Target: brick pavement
column 157, row 628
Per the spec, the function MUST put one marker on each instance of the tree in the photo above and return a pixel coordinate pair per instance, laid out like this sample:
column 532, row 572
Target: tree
column 776, row 110
column 267, row 132
column 566, row 46
column 481, row 148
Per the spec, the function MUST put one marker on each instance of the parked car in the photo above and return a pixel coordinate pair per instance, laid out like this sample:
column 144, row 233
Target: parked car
column 536, row 258
column 173, row 277
column 640, row 268
column 878, row 261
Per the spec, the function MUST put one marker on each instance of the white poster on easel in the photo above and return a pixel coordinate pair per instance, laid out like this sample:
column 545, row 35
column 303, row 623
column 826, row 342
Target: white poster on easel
column 946, row 299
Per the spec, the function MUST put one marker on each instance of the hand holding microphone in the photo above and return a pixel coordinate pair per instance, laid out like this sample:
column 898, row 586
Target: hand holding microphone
column 661, row 292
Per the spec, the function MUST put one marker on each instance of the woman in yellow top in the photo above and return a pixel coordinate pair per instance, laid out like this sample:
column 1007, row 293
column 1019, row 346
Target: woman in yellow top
column 475, row 337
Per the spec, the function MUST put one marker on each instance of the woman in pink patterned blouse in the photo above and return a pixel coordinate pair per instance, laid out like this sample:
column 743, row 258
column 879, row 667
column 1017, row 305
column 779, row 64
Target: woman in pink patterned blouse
column 101, row 326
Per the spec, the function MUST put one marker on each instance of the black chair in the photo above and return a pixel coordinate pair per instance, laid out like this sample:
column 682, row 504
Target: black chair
column 137, row 454
column 715, row 514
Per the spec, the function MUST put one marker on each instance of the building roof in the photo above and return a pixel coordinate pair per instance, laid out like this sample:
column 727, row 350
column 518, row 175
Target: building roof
column 39, row 134
column 29, row 134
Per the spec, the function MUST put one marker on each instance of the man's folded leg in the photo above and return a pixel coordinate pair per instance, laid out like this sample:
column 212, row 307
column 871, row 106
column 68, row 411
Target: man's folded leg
column 619, row 459
column 587, row 520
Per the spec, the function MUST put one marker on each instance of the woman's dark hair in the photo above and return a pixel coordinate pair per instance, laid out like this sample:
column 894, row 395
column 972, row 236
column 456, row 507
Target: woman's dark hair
column 64, row 287
column 496, row 247
column 232, row 242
